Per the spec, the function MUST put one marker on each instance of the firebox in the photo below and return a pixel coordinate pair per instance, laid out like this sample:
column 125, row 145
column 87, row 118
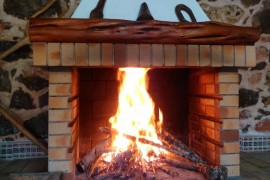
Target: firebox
column 192, row 79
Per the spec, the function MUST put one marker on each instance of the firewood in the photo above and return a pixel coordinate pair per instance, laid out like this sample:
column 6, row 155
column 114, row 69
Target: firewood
column 211, row 172
column 94, row 165
column 92, row 155
column 168, row 171
column 143, row 167
column 178, row 148
column 146, row 141
column 174, row 145
column 178, row 145
column 105, row 130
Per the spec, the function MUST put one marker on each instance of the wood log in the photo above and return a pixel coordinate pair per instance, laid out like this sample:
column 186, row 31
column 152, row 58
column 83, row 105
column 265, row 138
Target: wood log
column 152, row 31
column 143, row 167
column 15, row 120
column 177, row 152
column 92, row 155
column 211, row 172
column 174, row 143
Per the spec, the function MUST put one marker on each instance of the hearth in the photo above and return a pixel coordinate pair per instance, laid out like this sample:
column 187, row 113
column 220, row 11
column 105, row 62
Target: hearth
column 196, row 73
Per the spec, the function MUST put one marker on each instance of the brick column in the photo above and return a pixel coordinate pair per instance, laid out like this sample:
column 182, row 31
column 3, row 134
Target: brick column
column 63, row 119
column 204, row 121
column 229, row 112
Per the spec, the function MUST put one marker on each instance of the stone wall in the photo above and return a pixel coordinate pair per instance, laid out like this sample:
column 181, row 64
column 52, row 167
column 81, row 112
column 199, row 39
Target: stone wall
column 254, row 82
column 24, row 88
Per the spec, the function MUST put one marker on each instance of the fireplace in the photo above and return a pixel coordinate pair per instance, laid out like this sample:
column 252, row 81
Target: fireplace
column 201, row 78
column 212, row 98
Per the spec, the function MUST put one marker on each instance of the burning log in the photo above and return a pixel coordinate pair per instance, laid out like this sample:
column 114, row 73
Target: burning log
column 174, row 145
column 136, row 151
column 186, row 159
column 178, row 145
column 92, row 155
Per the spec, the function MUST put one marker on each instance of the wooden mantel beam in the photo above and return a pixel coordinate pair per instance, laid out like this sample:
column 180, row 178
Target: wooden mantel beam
column 142, row 32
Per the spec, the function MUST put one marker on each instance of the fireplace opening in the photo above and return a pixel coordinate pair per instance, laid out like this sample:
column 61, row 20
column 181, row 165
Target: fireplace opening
column 99, row 100
column 188, row 98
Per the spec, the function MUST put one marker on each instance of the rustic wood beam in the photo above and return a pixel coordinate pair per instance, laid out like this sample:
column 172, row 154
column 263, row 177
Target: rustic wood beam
column 152, row 31
column 12, row 118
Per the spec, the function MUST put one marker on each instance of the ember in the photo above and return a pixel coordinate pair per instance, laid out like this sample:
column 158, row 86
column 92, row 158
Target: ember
column 137, row 147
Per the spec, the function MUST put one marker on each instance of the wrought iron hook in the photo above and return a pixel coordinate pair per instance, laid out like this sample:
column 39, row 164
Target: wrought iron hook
column 182, row 7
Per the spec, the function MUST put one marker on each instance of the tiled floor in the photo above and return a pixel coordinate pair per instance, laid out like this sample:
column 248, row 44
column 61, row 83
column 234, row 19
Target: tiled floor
column 254, row 166
column 22, row 166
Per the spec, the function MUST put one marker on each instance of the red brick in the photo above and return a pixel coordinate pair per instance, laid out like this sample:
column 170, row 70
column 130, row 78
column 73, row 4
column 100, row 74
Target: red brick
column 230, row 136
column 104, row 108
column 120, row 51
column 81, row 54
column 228, row 55
column 181, row 55
column 193, row 55
column 54, row 54
column 39, row 53
column 229, row 112
column 205, row 54
column 107, row 54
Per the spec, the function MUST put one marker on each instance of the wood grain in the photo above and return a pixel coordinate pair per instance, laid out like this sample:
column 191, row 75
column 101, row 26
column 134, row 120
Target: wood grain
column 152, row 31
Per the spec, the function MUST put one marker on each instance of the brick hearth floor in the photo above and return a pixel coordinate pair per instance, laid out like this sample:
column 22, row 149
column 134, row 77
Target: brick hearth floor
column 254, row 166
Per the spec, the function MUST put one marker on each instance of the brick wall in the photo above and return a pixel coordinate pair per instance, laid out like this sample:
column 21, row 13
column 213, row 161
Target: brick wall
column 99, row 97
column 98, row 102
column 214, row 122
column 204, row 114
column 63, row 119
column 229, row 112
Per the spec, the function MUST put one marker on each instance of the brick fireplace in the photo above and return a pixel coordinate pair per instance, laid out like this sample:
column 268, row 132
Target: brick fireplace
column 213, row 115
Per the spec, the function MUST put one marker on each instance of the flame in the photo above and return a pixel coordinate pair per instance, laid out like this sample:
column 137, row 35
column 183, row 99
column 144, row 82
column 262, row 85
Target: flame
column 135, row 114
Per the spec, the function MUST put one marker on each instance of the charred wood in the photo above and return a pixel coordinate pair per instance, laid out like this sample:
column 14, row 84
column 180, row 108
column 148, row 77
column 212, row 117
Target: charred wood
column 92, row 155
column 211, row 172
column 174, row 143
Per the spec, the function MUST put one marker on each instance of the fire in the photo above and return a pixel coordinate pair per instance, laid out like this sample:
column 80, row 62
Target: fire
column 135, row 114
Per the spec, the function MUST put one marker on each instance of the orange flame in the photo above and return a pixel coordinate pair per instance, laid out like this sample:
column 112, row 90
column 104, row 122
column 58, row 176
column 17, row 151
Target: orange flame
column 135, row 113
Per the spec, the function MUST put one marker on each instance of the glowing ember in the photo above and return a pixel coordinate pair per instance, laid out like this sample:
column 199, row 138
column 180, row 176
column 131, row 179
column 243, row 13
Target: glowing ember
column 135, row 114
